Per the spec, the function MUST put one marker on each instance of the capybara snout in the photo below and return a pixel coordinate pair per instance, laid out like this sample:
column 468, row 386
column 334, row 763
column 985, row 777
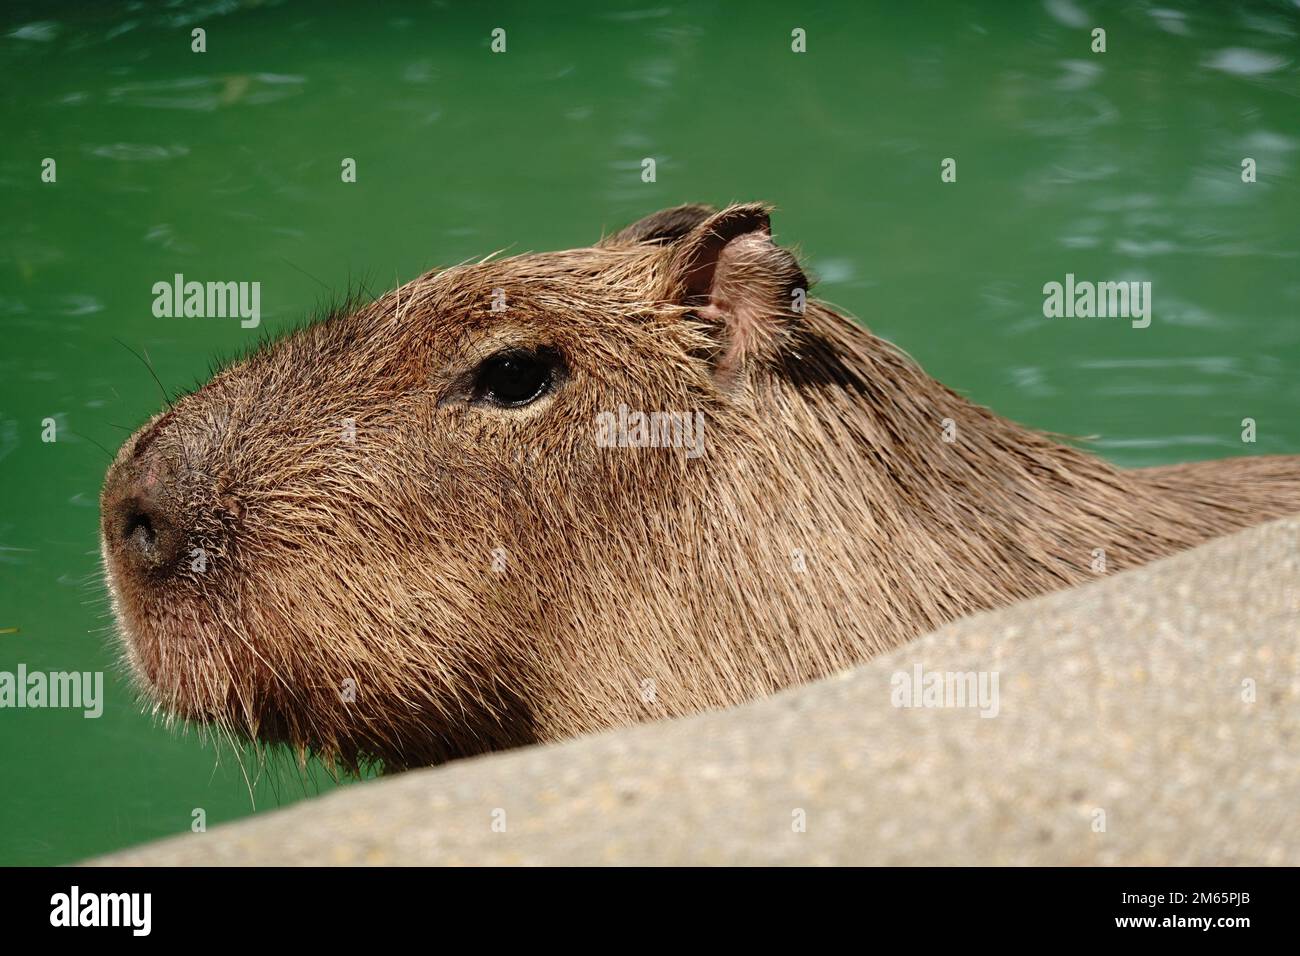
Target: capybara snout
column 142, row 522
column 527, row 498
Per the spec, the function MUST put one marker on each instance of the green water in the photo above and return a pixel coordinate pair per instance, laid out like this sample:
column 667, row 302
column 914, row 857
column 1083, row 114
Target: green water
column 225, row 165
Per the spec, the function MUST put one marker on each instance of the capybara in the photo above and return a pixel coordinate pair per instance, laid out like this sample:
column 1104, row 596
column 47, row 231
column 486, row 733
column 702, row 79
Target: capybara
column 528, row 498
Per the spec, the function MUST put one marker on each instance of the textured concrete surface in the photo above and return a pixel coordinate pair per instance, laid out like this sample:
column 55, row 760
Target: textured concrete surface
column 1150, row 718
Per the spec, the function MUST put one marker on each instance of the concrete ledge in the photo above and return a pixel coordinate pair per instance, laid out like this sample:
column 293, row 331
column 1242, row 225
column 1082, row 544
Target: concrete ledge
column 1122, row 704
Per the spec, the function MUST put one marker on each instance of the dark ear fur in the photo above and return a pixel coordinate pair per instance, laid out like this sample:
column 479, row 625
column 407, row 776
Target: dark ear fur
column 664, row 226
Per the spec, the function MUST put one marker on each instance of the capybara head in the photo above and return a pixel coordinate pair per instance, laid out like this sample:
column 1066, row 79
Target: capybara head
column 523, row 499
column 363, row 538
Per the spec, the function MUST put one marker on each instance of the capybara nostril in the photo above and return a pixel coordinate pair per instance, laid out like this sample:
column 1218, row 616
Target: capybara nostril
column 149, row 538
column 139, row 532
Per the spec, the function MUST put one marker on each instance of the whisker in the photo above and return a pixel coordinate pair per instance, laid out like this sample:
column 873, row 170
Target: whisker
column 110, row 455
column 166, row 399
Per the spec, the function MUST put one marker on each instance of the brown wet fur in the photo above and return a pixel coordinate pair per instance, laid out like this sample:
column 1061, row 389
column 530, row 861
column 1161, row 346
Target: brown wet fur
column 489, row 577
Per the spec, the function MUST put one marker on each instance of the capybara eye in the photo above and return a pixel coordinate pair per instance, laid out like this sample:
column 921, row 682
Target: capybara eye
column 515, row 378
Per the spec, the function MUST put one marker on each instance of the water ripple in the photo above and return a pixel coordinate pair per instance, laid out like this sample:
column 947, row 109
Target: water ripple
column 1240, row 61
column 206, row 93
column 137, row 152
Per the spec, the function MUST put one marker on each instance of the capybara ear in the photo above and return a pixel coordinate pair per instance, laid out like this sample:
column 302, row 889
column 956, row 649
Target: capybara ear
column 664, row 226
column 729, row 272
